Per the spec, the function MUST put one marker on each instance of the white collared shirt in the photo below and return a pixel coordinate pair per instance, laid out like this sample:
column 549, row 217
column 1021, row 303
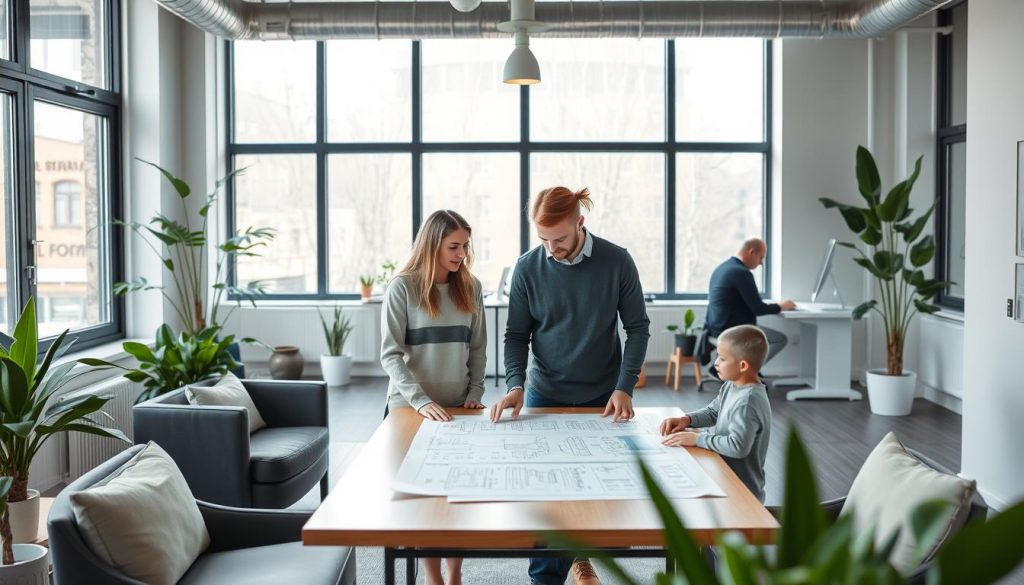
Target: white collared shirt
column 588, row 247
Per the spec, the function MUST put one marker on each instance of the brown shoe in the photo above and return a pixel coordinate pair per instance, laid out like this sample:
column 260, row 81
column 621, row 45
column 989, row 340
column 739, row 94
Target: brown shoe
column 583, row 573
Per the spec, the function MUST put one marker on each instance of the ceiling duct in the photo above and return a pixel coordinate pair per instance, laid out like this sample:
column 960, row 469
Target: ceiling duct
column 240, row 20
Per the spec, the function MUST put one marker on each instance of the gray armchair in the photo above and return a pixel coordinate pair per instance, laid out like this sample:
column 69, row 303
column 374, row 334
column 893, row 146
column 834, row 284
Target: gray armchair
column 272, row 468
column 246, row 545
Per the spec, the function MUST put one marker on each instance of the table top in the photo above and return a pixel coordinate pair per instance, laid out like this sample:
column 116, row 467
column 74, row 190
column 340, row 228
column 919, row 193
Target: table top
column 363, row 510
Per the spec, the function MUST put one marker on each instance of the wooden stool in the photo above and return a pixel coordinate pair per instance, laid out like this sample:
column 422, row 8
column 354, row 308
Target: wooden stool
column 676, row 361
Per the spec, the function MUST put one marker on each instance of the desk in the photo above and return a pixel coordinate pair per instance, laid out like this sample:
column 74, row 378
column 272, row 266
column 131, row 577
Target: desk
column 825, row 339
column 363, row 510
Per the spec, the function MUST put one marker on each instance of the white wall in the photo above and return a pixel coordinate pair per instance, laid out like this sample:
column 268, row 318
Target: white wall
column 993, row 403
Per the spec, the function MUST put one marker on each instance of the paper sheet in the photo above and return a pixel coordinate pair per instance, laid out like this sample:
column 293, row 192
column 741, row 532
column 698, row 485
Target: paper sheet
column 546, row 457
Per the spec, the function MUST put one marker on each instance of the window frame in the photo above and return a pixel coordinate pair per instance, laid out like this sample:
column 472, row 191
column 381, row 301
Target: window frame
column 668, row 147
column 946, row 135
column 26, row 86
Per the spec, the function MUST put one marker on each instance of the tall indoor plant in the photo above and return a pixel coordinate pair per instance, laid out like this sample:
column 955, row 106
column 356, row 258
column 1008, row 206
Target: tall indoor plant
column 31, row 412
column 199, row 350
column 336, row 365
column 897, row 253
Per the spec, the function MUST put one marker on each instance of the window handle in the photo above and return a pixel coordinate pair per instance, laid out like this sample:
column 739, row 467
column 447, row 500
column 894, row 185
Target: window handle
column 31, row 270
column 80, row 90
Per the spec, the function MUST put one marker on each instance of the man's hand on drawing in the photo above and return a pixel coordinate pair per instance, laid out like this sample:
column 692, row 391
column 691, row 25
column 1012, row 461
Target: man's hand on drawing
column 620, row 405
column 513, row 400
column 681, row 439
column 431, row 411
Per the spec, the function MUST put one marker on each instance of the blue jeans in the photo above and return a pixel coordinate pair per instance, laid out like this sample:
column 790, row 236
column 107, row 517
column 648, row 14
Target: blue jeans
column 553, row 571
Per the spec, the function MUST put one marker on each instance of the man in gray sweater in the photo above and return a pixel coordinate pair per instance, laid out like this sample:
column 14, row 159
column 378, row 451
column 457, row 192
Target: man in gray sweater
column 566, row 300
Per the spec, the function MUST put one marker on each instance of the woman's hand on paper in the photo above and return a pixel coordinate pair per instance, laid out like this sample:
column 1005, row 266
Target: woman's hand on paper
column 431, row 411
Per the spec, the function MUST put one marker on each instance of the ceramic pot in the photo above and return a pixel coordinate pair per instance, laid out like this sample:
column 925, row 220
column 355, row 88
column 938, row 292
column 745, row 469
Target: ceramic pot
column 891, row 395
column 336, row 369
column 687, row 343
column 366, row 291
column 25, row 518
column 286, row 363
column 31, row 566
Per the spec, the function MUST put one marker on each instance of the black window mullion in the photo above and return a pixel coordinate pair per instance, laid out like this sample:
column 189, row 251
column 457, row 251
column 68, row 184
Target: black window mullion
column 322, row 210
column 670, row 167
column 766, row 166
column 524, row 168
column 417, row 137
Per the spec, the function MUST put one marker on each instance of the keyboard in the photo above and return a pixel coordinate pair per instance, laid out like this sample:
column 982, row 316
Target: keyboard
column 819, row 307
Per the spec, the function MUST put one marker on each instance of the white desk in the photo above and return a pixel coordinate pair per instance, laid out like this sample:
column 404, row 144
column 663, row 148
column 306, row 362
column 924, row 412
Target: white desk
column 826, row 339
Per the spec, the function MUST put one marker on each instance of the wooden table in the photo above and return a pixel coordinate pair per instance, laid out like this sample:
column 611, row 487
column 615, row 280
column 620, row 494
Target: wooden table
column 363, row 510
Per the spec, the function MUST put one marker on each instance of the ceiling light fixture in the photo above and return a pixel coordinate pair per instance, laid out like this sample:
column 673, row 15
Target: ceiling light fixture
column 522, row 68
column 465, row 5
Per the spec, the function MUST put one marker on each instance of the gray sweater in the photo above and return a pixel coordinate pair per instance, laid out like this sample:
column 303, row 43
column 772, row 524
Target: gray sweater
column 568, row 317
column 740, row 421
column 439, row 359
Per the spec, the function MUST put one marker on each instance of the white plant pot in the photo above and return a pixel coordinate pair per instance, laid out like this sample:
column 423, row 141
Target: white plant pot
column 891, row 395
column 31, row 566
column 337, row 369
column 25, row 518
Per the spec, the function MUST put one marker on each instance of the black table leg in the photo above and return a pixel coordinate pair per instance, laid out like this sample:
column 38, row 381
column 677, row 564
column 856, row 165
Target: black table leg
column 410, row 571
column 389, row 566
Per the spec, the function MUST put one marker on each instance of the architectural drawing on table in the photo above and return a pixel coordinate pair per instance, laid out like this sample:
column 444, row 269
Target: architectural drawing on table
column 546, row 423
column 523, row 448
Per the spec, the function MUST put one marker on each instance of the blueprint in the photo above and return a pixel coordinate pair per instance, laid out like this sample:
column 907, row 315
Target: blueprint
column 546, row 457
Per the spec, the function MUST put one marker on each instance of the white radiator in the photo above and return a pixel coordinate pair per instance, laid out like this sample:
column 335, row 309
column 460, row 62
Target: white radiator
column 662, row 343
column 87, row 451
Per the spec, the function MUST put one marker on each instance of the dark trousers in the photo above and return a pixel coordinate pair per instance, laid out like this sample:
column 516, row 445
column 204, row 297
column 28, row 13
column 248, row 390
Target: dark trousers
column 553, row 571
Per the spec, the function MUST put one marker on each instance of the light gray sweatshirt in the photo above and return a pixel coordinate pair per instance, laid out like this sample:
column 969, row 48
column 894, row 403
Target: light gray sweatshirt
column 740, row 425
column 438, row 359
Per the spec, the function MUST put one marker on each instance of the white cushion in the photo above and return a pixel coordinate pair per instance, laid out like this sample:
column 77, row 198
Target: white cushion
column 890, row 484
column 143, row 519
column 229, row 391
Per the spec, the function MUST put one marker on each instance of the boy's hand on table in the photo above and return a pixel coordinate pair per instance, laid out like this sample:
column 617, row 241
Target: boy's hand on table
column 681, row 439
column 674, row 424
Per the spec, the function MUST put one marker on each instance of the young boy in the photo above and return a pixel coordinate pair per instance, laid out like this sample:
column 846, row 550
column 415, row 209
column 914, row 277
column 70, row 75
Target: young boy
column 737, row 424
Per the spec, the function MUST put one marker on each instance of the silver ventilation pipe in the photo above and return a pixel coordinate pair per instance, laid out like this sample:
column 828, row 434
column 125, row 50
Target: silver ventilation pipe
column 239, row 20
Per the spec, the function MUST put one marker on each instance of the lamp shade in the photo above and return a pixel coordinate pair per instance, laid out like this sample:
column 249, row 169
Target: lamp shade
column 521, row 68
column 465, row 5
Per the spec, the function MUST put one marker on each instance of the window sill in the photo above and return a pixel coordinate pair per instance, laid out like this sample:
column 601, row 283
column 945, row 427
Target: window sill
column 949, row 315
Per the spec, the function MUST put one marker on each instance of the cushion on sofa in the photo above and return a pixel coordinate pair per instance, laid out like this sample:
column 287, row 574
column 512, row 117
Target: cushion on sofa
column 272, row 565
column 277, row 454
column 229, row 391
column 890, row 484
column 142, row 519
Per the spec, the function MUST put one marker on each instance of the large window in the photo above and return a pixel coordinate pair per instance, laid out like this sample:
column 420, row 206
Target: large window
column 951, row 156
column 348, row 145
column 61, row 112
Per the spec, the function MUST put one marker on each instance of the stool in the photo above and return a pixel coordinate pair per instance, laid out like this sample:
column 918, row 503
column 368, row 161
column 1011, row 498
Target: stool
column 675, row 363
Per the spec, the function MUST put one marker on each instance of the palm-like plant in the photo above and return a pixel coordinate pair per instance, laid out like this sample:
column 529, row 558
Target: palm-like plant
column 186, row 258
column 29, row 413
column 897, row 252
column 809, row 553
column 336, row 332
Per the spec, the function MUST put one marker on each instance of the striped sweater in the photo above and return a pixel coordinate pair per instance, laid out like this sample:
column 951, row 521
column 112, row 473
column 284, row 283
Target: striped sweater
column 439, row 359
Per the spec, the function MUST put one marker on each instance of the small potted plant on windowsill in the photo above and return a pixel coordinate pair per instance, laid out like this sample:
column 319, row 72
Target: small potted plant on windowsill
column 686, row 340
column 336, row 365
column 366, row 286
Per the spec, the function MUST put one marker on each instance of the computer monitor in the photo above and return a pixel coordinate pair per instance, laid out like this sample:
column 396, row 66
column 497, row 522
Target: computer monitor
column 825, row 271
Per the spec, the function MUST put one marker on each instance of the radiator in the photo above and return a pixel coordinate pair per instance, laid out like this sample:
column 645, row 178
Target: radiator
column 87, row 451
column 662, row 343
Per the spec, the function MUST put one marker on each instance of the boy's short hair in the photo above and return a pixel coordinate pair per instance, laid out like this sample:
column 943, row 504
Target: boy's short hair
column 748, row 343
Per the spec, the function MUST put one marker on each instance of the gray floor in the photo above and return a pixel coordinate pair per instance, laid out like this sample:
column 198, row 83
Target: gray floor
column 839, row 436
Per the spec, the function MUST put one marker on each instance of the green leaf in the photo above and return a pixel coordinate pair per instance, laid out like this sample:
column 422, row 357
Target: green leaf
column 742, row 570
column 863, row 308
column 180, row 186
column 918, row 226
column 894, row 203
column 870, row 267
column 25, row 349
column 923, row 252
column 868, row 181
column 169, row 264
column 926, row 308
column 871, row 236
column 15, row 389
column 802, row 519
column 854, row 218
column 140, row 351
column 5, row 342
column 982, row 552
column 928, row 524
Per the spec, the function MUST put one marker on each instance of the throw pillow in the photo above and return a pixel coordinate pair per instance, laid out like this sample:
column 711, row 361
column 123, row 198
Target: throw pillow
column 143, row 519
column 229, row 391
column 888, row 487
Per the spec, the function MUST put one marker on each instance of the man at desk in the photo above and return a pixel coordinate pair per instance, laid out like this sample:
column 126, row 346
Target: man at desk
column 733, row 298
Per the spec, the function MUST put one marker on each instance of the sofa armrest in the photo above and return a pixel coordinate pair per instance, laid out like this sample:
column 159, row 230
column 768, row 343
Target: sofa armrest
column 236, row 528
column 290, row 403
column 832, row 508
column 210, row 445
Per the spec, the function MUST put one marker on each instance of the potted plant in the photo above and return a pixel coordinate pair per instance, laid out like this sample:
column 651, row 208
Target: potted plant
column 366, row 282
column 895, row 257
column 30, row 562
column 336, row 365
column 30, row 414
column 686, row 339
column 808, row 553
column 182, row 248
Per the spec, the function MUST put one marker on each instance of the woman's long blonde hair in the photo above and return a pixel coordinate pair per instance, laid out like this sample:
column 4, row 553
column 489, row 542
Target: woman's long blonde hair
column 423, row 264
